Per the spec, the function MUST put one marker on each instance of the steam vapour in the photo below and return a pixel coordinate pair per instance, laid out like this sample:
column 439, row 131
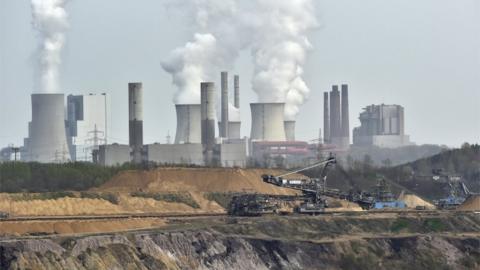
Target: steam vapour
column 274, row 30
column 50, row 20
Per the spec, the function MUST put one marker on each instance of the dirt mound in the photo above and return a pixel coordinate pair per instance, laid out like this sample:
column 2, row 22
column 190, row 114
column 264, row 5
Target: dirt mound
column 471, row 204
column 337, row 205
column 413, row 201
column 195, row 180
column 82, row 206
column 72, row 227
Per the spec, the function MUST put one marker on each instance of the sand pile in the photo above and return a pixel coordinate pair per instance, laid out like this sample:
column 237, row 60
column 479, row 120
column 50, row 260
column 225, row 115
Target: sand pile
column 82, row 206
column 71, row 227
column 472, row 203
column 335, row 205
column 412, row 201
column 195, row 180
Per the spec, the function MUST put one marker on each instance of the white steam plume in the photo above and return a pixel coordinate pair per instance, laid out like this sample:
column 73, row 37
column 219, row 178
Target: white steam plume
column 50, row 20
column 214, row 47
column 275, row 31
column 279, row 49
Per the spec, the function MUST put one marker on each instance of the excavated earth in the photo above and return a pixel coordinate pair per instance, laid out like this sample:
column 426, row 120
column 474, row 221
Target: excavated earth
column 377, row 241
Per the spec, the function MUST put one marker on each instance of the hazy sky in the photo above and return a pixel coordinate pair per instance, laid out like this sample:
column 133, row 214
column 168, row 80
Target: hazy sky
column 423, row 55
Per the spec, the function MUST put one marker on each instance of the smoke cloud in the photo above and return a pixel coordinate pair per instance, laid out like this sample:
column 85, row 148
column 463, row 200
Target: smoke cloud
column 274, row 30
column 50, row 19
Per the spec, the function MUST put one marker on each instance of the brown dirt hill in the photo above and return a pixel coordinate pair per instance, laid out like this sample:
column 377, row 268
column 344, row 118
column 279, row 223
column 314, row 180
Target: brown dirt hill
column 413, row 201
column 471, row 204
column 194, row 180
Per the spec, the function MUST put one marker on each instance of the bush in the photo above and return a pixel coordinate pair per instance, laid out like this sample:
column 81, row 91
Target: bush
column 399, row 225
column 43, row 196
column 112, row 198
column 184, row 198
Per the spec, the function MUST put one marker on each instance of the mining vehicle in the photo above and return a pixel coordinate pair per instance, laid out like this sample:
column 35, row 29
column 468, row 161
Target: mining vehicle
column 458, row 191
column 312, row 198
column 4, row 215
column 380, row 198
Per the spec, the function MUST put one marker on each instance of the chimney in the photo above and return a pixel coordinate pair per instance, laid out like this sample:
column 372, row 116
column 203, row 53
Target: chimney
column 335, row 114
column 345, row 117
column 326, row 119
column 135, row 108
column 208, row 120
column 224, row 105
column 236, row 86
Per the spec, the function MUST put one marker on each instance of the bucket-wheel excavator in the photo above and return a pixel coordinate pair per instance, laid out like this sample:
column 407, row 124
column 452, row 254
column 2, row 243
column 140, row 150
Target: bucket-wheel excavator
column 312, row 198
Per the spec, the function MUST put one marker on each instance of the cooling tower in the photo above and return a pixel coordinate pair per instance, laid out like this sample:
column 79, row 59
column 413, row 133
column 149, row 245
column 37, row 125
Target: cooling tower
column 326, row 118
column 267, row 122
column 289, row 130
column 234, row 129
column 135, row 110
column 47, row 136
column 224, row 105
column 236, row 87
column 188, row 124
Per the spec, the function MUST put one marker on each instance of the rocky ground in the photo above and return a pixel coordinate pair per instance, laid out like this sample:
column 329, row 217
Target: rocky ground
column 376, row 241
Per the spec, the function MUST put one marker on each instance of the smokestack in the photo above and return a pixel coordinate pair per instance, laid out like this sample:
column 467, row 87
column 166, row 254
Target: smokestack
column 268, row 122
column 236, row 87
column 188, row 124
column 135, row 109
column 208, row 119
column 335, row 114
column 47, row 136
column 326, row 118
column 289, row 130
column 345, row 116
column 224, row 105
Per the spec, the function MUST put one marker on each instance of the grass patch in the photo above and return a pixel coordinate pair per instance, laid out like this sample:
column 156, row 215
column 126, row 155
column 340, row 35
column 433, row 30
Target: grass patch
column 434, row 224
column 399, row 225
column 223, row 199
column 184, row 198
column 112, row 198
column 43, row 196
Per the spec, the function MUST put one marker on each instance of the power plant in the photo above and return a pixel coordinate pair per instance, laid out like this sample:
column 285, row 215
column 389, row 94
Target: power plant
column 382, row 126
column 81, row 135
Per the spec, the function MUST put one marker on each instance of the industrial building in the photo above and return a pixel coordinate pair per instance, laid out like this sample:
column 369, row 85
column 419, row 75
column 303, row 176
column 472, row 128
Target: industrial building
column 382, row 126
column 86, row 124
column 336, row 118
column 47, row 137
column 82, row 136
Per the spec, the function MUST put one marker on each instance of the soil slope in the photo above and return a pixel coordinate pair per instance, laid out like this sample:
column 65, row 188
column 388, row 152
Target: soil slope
column 195, row 179
column 276, row 243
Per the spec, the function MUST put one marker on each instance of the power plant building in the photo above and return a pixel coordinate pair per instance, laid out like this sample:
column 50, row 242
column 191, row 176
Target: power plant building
column 86, row 124
column 336, row 118
column 382, row 126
